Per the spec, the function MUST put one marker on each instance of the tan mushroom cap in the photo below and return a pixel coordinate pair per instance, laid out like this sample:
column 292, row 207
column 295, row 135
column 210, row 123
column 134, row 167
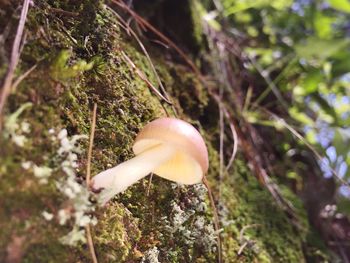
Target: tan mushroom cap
column 190, row 160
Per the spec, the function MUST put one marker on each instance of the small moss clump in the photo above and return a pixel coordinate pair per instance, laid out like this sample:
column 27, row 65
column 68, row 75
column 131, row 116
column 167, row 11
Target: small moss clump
column 117, row 234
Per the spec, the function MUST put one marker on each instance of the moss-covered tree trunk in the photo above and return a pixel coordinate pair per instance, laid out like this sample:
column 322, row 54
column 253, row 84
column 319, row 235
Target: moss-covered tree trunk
column 82, row 54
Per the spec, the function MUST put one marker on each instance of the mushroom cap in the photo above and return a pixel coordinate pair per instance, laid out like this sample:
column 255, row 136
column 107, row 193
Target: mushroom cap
column 190, row 160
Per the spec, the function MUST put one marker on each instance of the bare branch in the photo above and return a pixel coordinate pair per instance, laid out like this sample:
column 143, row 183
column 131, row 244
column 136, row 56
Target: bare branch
column 15, row 54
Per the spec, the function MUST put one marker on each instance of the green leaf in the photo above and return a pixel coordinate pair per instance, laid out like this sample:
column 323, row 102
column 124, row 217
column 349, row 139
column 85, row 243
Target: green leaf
column 232, row 7
column 321, row 49
column 311, row 136
column 341, row 141
column 341, row 63
column 323, row 25
column 300, row 116
column 340, row 5
column 344, row 205
column 327, row 113
column 311, row 81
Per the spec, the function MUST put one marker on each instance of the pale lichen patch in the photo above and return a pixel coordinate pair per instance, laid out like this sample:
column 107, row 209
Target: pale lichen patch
column 151, row 256
column 14, row 130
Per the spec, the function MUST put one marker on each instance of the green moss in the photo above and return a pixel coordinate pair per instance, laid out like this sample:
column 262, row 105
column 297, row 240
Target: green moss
column 117, row 234
column 197, row 28
column 62, row 89
column 192, row 98
column 252, row 208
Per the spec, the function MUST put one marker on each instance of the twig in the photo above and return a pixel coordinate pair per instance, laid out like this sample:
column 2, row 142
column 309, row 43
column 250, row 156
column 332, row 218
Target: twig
column 22, row 77
column 245, row 132
column 144, row 78
column 271, row 85
column 216, row 218
column 221, row 147
column 308, row 145
column 234, row 137
column 159, row 43
column 263, row 95
column 91, row 244
column 64, row 30
column 6, row 87
column 262, row 175
column 88, row 175
column 220, row 69
column 165, row 39
column 126, row 27
column 245, row 228
column 246, row 242
column 242, row 248
column 149, row 184
column 63, row 12
column 144, row 50
column 247, row 100
column 91, row 142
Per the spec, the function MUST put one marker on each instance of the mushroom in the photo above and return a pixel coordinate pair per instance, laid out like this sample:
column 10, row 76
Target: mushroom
column 168, row 147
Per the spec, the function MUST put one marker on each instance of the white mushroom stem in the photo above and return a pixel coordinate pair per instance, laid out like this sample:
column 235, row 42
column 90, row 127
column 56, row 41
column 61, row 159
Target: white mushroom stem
column 120, row 177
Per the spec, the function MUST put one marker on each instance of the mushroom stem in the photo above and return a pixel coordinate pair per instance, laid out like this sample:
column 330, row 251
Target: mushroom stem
column 120, row 177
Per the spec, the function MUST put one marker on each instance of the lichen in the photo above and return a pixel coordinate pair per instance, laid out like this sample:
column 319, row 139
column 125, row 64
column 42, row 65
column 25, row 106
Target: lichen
column 151, row 256
column 14, row 130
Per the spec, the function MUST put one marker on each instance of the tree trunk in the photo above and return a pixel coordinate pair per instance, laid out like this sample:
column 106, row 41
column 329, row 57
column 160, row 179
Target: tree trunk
column 84, row 54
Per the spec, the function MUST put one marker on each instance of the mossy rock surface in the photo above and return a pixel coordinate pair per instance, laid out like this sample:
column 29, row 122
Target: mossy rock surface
column 79, row 61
